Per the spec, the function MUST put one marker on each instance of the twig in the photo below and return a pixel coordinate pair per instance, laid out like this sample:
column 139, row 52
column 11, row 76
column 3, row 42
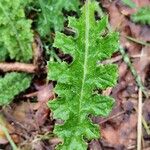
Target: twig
column 112, row 117
column 131, row 147
column 112, row 60
column 70, row 30
column 139, row 126
column 137, row 41
column 20, row 67
column 33, row 94
column 4, row 129
column 144, row 123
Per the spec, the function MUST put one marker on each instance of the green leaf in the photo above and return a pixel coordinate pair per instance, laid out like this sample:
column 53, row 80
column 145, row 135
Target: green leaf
column 51, row 14
column 16, row 36
column 3, row 52
column 11, row 85
column 77, row 82
column 129, row 3
column 142, row 15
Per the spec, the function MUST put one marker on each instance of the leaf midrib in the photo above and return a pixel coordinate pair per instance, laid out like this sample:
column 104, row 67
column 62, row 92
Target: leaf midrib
column 87, row 27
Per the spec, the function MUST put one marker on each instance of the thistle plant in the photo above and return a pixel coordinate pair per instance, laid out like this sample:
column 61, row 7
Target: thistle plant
column 78, row 81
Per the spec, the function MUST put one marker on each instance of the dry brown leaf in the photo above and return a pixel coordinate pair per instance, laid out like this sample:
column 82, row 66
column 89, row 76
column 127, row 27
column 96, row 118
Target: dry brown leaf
column 44, row 94
column 144, row 61
column 42, row 115
column 122, row 69
column 125, row 134
column 95, row 145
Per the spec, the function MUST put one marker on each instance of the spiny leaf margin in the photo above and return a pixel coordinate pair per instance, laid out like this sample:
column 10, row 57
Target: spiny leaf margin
column 76, row 82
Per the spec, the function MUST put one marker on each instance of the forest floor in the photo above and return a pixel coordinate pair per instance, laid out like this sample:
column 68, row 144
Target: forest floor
column 30, row 122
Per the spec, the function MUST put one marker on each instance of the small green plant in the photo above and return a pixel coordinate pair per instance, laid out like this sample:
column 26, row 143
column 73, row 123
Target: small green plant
column 142, row 15
column 78, row 83
column 51, row 15
column 16, row 36
column 15, row 44
column 11, row 85
column 129, row 3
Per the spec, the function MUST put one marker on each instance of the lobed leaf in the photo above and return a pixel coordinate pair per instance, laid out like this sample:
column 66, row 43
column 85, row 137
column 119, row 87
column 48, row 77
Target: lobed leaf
column 16, row 36
column 77, row 82
column 142, row 15
column 11, row 85
column 52, row 16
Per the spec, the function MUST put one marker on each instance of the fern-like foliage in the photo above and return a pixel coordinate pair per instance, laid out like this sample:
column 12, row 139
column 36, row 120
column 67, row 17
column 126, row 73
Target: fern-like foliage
column 11, row 85
column 16, row 36
column 3, row 52
column 51, row 14
column 129, row 3
column 78, row 82
column 142, row 15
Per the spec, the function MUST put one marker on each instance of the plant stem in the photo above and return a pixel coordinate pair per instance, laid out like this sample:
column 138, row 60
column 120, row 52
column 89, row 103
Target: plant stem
column 137, row 41
column 139, row 125
column 137, row 77
column 138, row 80
column 4, row 129
column 145, row 126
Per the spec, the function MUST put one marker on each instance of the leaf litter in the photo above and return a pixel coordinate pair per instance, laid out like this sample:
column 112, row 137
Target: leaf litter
column 31, row 118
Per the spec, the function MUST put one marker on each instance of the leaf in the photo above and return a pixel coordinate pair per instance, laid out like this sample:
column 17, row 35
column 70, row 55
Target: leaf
column 51, row 14
column 11, row 85
column 142, row 15
column 129, row 3
column 3, row 53
column 77, row 82
column 16, row 35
